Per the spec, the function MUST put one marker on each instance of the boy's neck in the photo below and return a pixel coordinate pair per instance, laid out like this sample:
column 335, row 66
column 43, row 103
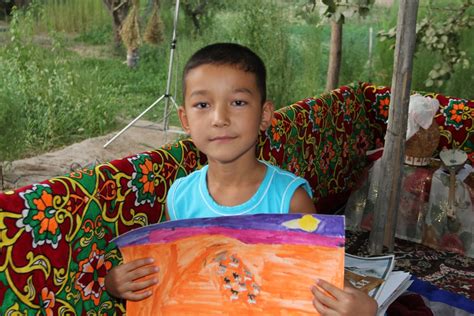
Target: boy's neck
column 235, row 172
column 234, row 183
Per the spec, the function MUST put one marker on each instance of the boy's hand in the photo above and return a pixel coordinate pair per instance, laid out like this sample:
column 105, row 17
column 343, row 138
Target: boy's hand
column 350, row 301
column 121, row 281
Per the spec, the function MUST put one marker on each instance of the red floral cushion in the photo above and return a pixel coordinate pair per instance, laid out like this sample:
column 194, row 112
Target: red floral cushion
column 55, row 235
column 455, row 118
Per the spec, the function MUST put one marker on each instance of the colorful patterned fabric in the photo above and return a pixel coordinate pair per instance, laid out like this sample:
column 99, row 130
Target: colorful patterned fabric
column 55, row 235
column 455, row 118
column 448, row 271
column 324, row 140
column 54, row 247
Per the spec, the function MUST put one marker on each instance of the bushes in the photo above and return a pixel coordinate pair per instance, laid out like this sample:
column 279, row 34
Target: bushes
column 51, row 96
column 45, row 103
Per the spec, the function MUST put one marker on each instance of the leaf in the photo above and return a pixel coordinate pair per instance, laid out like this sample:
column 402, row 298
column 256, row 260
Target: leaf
column 446, row 68
column 429, row 83
column 465, row 63
column 331, row 6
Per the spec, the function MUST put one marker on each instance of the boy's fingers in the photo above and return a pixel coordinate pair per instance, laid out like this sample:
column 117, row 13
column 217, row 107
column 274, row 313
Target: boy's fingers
column 323, row 299
column 331, row 289
column 322, row 310
column 142, row 285
column 319, row 307
column 133, row 265
column 134, row 296
column 144, row 271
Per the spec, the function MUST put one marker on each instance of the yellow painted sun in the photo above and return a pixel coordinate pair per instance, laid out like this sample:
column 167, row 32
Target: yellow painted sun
column 306, row 222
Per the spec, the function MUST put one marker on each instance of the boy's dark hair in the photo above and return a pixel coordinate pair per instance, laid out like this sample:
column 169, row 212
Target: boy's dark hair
column 230, row 54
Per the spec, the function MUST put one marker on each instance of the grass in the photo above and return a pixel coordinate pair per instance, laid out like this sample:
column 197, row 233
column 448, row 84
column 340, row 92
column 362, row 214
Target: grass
column 73, row 16
column 53, row 94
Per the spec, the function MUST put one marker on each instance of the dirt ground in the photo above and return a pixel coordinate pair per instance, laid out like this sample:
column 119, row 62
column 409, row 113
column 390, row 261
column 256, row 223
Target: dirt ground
column 142, row 136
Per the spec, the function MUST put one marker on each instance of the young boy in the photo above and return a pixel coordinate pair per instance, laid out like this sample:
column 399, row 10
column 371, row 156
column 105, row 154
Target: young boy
column 225, row 107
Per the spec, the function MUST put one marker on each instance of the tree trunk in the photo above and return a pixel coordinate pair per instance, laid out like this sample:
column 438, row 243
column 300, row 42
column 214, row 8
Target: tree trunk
column 132, row 58
column 389, row 182
column 22, row 3
column 335, row 54
column 118, row 10
column 195, row 12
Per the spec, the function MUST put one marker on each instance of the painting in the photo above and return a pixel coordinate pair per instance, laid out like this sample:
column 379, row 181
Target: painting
column 248, row 264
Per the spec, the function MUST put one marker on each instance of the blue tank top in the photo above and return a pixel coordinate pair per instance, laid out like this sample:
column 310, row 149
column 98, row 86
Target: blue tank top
column 189, row 197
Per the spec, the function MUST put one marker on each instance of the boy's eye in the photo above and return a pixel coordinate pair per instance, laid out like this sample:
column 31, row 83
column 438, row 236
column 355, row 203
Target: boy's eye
column 239, row 103
column 201, row 105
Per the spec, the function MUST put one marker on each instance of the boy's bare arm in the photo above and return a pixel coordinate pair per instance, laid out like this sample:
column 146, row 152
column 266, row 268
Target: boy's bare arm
column 301, row 202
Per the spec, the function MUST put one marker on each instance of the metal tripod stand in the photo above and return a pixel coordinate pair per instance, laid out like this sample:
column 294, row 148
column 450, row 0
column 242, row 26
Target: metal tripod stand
column 167, row 96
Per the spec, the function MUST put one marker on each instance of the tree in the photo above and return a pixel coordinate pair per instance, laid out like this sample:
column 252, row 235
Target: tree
column 335, row 54
column 130, row 34
column 337, row 11
column 6, row 6
column 201, row 12
column 118, row 10
column 127, row 27
column 195, row 10
column 443, row 37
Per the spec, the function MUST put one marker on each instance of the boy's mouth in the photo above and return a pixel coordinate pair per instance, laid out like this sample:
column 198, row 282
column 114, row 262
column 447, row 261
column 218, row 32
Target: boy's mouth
column 222, row 138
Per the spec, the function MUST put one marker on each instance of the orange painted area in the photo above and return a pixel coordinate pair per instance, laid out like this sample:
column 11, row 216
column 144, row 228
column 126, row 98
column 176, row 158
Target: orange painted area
column 220, row 275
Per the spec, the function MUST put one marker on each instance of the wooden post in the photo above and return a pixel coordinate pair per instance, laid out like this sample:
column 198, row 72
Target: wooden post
column 389, row 182
column 335, row 55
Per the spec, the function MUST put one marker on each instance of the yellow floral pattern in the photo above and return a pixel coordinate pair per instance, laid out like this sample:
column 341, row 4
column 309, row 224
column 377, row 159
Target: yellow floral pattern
column 55, row 236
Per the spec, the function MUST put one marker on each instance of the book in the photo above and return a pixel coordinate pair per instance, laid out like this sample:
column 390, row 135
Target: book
column 375, row 276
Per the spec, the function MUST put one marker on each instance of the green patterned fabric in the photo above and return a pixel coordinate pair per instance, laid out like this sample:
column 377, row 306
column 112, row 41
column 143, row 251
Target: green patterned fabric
column 323, row 139
column 55, row 236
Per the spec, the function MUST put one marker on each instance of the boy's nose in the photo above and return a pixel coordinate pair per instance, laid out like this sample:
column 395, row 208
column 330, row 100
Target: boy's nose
column 220, row 116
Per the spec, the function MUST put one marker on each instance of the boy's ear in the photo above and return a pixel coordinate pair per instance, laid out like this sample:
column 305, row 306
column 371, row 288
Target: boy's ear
column 183, row 118
column 267, row 115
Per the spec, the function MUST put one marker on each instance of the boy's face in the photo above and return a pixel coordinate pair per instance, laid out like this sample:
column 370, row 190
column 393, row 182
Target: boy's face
column 223, row 111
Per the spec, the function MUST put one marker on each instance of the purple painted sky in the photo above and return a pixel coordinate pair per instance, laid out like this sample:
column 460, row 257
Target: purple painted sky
column 260, row 228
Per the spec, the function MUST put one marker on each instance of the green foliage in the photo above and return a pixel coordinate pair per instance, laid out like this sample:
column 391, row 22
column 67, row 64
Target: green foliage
column 442, row 36
column 51, row 96
column 49, row 103
column 341, row 9
column 200, row 14
column 99, row 35
column 305, row 9
column 73, row 16
column 256, row 23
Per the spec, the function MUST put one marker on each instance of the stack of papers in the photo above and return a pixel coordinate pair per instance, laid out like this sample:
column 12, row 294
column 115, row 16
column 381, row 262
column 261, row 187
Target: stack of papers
column 375, row 276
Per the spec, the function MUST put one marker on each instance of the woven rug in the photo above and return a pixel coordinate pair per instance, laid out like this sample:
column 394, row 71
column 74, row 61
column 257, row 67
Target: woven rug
column 445, row 270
